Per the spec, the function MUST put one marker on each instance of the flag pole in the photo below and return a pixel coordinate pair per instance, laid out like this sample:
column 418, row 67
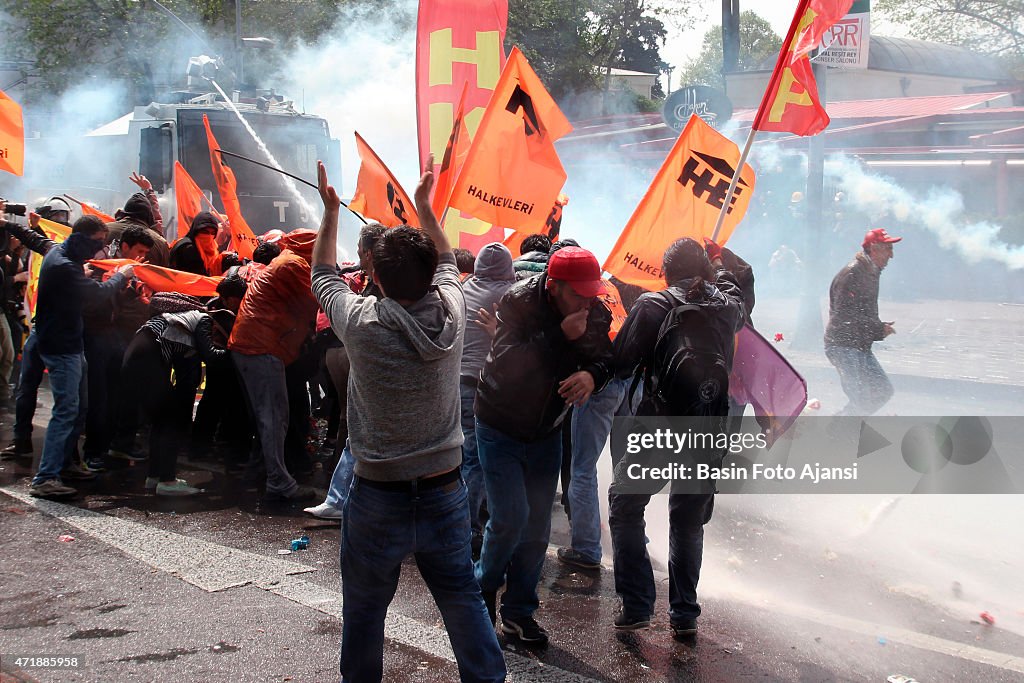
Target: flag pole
column 787, row 45
column 732, row 184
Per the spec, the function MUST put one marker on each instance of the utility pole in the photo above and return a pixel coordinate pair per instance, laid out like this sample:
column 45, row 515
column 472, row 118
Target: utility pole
column 730, row 37
column 809, row 328
column 238, row 45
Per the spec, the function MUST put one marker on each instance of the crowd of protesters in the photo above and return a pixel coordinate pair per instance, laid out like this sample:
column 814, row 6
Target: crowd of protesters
column 457, row 390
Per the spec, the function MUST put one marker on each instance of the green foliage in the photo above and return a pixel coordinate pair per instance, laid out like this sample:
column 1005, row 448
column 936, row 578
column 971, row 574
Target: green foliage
column 136, row 43
column 570, row 42
column 759, row 44
column 994, row 27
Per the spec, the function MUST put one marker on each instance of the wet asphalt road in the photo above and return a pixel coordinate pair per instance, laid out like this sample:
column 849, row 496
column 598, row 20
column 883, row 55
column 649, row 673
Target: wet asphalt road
column 775, row 606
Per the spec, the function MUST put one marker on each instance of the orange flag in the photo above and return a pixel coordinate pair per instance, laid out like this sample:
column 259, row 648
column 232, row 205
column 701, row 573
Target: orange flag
column 242, row 238
column 161, row 279
column 378, row 195
column 512, row 173
column 12, row 136
column 91, row 211
column 188, row 197
column 791, row 103
column 684, row 200
column 453, row 160
column 514, row 242
column 56, row 232
column 613, row 302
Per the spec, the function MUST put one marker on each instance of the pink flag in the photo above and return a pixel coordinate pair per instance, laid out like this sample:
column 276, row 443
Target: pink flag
column 764, row 379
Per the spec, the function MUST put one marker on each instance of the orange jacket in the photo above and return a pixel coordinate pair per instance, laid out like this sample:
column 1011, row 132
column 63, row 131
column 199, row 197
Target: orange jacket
column 278, row 311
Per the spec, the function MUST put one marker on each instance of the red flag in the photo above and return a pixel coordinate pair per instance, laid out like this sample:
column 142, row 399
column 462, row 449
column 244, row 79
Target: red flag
column 378, row 195
column 12, row 136
column 243, row 240
column 91, row 211
column 512, row 174
column 791, row 103
column 454, row 157
column 458, row 44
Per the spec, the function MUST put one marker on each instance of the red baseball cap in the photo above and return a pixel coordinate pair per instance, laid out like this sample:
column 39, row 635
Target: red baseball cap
column 879, row 236
column 579, row 268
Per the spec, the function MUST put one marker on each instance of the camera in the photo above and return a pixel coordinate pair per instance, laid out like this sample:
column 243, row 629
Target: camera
column 16, row 209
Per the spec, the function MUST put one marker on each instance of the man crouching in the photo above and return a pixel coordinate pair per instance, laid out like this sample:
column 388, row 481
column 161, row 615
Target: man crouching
column 407, row 495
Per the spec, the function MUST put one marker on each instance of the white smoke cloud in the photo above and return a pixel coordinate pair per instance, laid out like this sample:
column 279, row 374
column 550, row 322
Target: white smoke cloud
column 940, row 211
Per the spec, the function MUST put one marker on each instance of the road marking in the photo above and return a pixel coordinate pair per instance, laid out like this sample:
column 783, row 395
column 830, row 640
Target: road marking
column 214, row 567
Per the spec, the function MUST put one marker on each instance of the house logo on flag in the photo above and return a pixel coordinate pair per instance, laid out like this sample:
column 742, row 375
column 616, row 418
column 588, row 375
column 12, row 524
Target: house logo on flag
column 708, row 177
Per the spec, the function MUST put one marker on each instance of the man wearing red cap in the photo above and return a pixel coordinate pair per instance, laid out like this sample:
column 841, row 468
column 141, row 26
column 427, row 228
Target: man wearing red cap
column 551, row 350
column 854, row 325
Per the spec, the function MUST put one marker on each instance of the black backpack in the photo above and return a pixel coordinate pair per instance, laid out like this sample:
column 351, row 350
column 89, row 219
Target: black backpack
column 687, row 374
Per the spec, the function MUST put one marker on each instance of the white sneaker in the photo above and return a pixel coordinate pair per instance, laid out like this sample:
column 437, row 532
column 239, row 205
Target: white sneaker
column 324, row 511
column 178, row 488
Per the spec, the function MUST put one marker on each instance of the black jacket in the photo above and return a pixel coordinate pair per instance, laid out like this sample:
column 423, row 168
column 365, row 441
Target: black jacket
column 185, row 257
column 853, row 306
column 634, row 345
column 32, row 239
column 530, row 356
column 63, row 292
column 744, row 275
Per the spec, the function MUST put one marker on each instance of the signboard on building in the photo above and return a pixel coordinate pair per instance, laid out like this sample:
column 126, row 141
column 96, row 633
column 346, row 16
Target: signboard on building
column 711, row 105
column 845, row 44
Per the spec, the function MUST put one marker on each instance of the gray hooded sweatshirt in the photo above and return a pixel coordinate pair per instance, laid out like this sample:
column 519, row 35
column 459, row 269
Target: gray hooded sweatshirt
column 403, row 388
column 493, row 274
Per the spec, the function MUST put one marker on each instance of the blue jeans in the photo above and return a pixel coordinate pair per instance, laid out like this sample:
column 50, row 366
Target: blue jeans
column 66, row 372
column 471, row 471
column 341, row 480
column 520, row 478
column 634, row 577
column 591, row 425
column 863, row 380
column 380, row 529
column 27, row 393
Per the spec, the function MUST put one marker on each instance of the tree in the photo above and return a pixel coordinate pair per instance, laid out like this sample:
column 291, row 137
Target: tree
column 994, row 27
column 137, row 44
column 759, row 45
column 570, row 43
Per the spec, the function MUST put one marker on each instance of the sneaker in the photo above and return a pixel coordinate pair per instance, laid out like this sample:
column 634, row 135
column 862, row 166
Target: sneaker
column 576, row 559
column 95, row 465
column 51, row 488
column 125, row 455
column 18, row 447
column 179, row 487
column 300, row 495
column 491, row 601
column 151, row 483
column 77, row 472
column 687, row 628
column 526, row 629
column 324, row 511
column 631, row 622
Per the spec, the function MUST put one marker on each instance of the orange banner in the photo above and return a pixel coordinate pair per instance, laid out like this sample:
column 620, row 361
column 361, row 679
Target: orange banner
column 56, row 232
column 243, row 240
column 378, row 194
column 512, row 174
column 12, row 136
column 91, row 211
column 684, row 200
column 791, row 104
column 458, row 43
column 164, row 279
